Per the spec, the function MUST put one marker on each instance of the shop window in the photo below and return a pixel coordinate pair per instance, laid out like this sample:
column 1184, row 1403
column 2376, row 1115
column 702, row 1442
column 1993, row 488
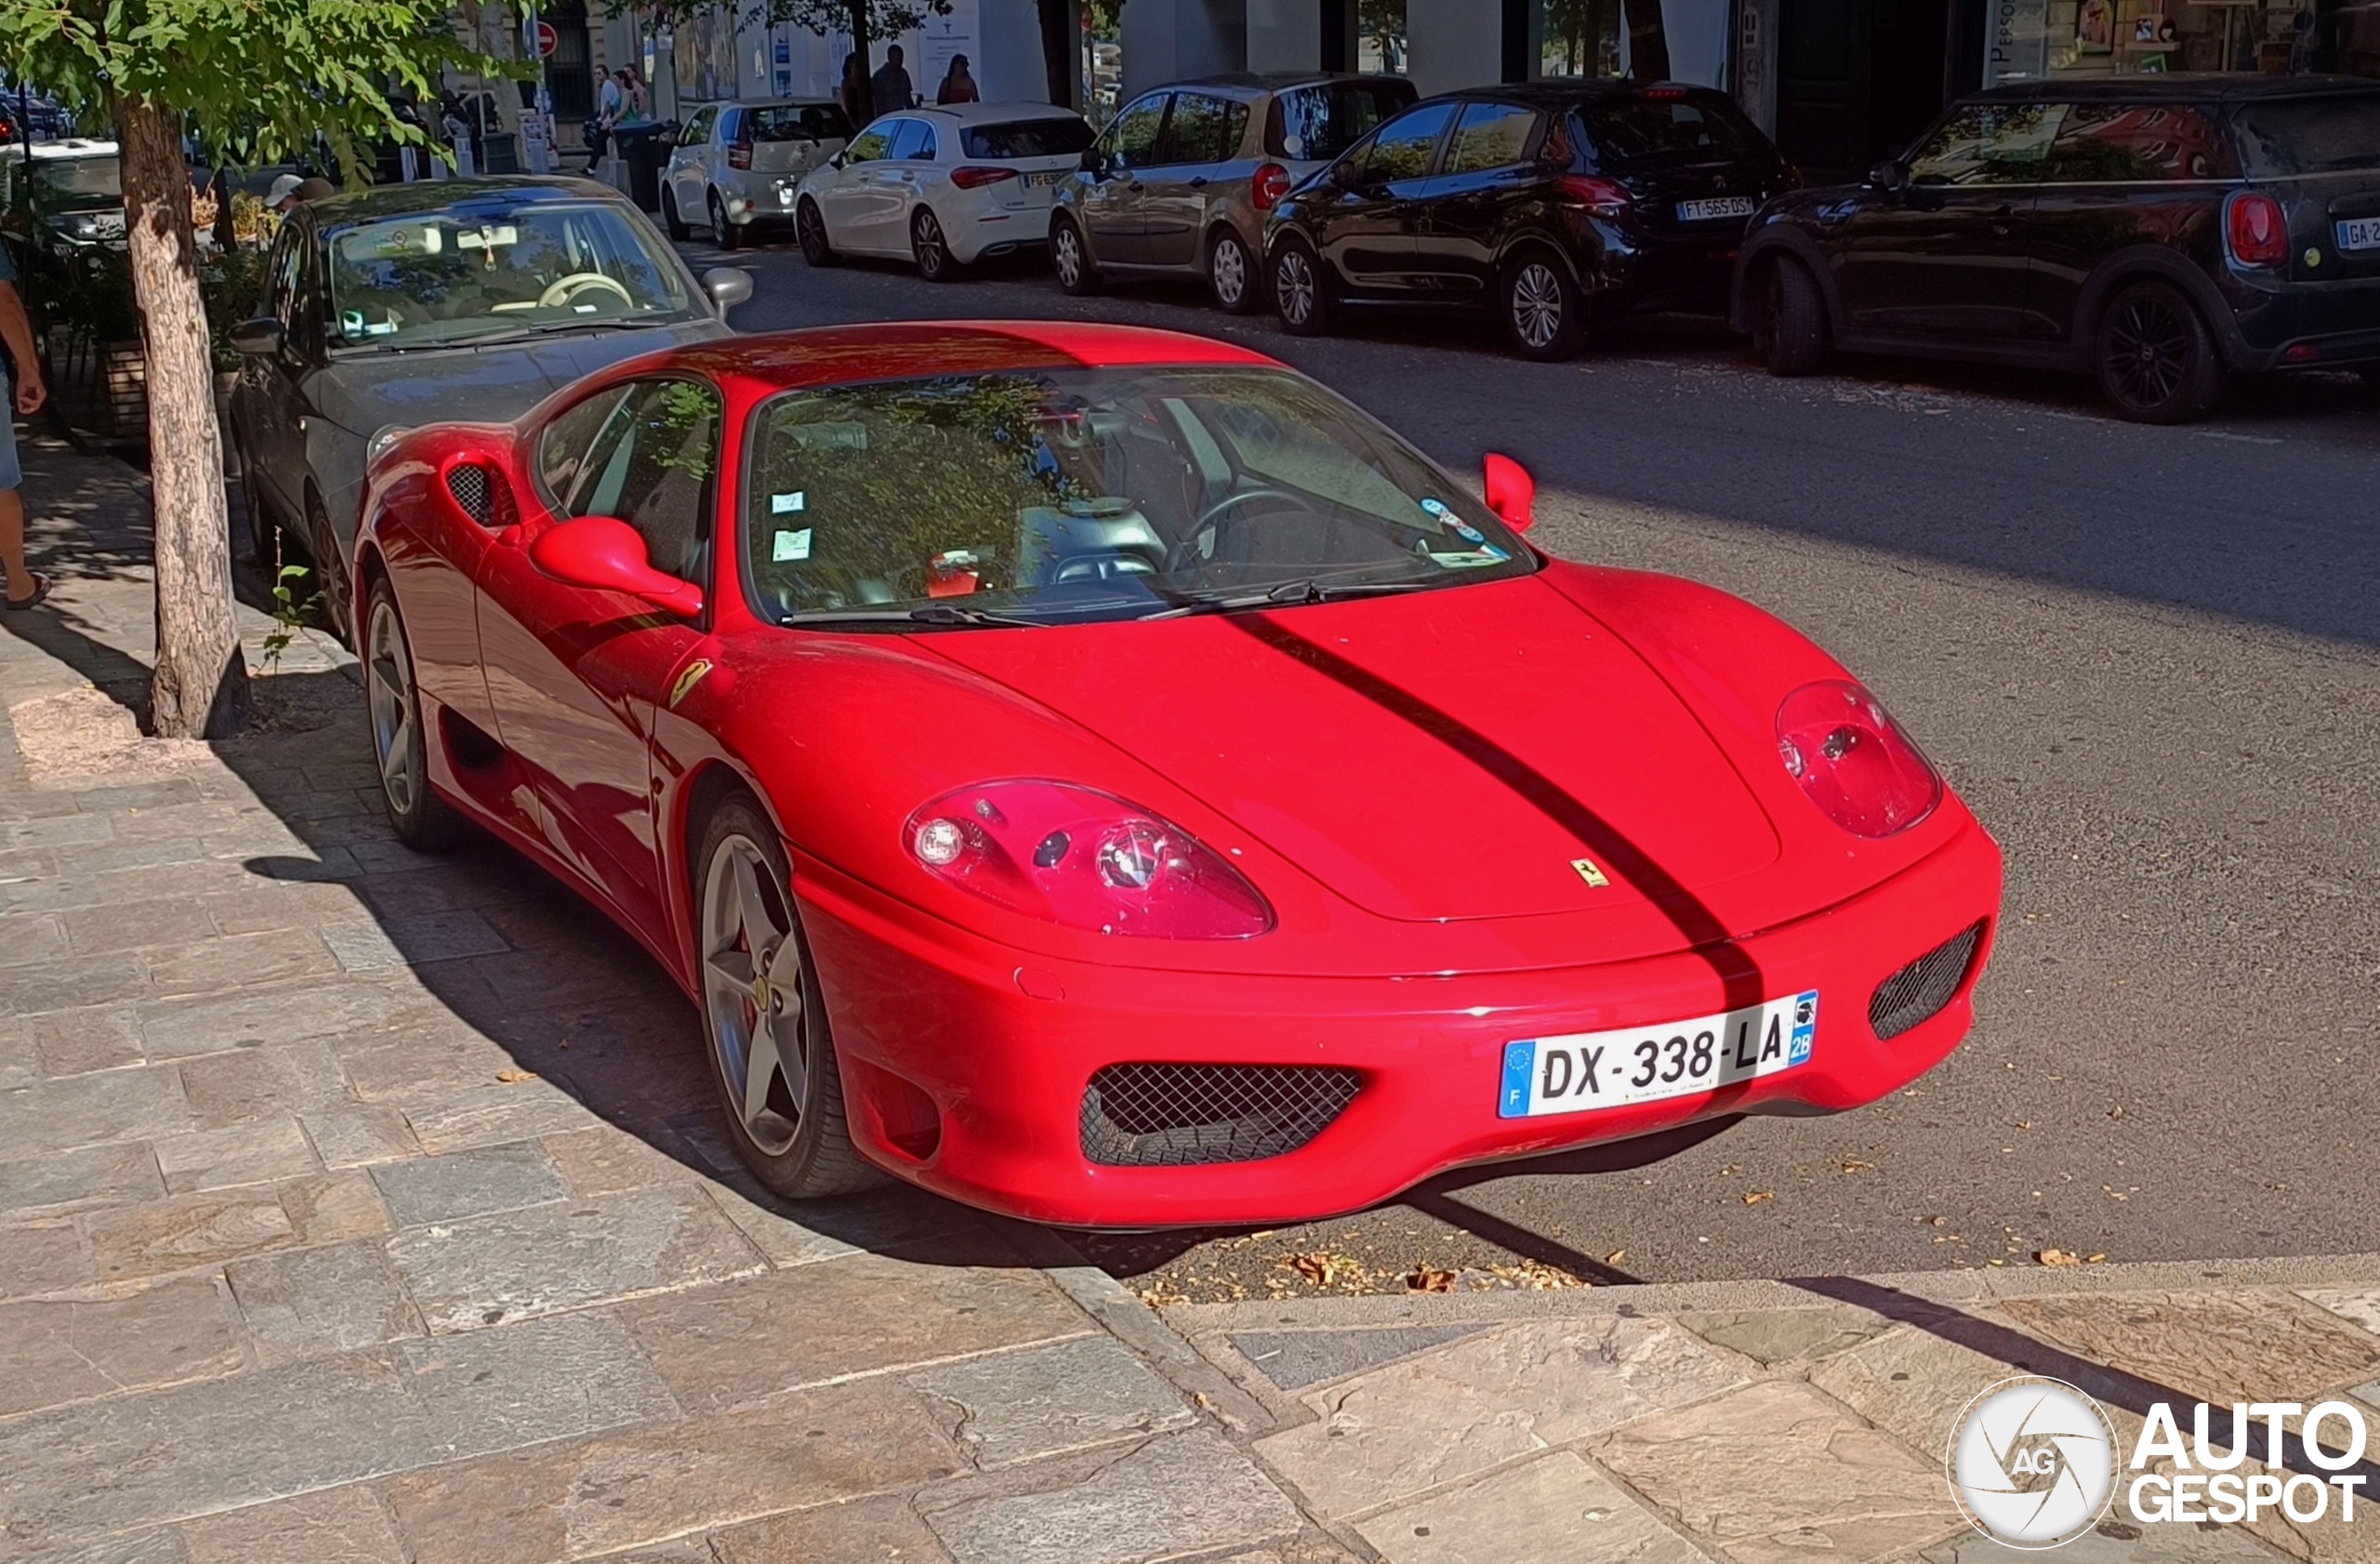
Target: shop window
column 1380, row 37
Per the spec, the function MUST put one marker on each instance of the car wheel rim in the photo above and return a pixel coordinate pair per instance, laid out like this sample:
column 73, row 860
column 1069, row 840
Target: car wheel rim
column 752, row 989
column 394, row 709
column 1295, row 286
column 1069, row 258
column 1231, row 272
column 719, row 222
column 1537, row 304
column 929, row 241
column 814, row 236
column 2148, row 347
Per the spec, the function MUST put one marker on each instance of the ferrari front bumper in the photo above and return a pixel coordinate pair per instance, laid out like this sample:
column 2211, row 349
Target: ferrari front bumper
column 965, row 1064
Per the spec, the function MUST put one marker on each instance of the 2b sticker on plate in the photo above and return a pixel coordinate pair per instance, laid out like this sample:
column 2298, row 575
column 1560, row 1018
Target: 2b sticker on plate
column 1587, row 1070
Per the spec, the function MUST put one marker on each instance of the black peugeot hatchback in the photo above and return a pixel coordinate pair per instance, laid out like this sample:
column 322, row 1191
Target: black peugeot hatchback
column 2158, row 231
column 1558, row 205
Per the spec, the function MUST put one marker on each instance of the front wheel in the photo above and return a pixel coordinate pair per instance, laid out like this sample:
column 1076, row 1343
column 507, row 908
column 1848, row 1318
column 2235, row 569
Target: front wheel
column 1070, row 259
column 810, row 227
column 674, row 218
column 1793, row 320
column 724, row 234
column 1542, row 309
column 400, row 746
column 2157, row 361
column 1232, row 276
column 772, row 1052
column 1300, row 298
column 929, row 249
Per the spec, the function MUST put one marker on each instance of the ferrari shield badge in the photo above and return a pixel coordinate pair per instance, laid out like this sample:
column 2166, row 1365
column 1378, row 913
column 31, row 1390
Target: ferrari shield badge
column 1586, row 868
column 688, row 677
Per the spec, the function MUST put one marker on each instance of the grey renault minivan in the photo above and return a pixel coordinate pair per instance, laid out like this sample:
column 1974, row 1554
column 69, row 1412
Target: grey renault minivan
column 1180, row 180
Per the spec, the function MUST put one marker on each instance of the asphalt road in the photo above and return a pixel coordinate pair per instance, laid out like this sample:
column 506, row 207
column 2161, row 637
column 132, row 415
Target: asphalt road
column 2149, row 658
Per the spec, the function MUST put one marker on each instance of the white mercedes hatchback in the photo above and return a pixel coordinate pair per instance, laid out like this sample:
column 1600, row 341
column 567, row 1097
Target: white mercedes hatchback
column 946, row 187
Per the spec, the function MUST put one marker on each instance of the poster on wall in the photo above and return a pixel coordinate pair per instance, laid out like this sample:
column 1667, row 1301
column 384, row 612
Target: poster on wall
column 2018, row 48
column 943, row 37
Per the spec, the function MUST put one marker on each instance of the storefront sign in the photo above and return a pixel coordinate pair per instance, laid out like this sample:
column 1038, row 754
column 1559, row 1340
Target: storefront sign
column 2018, row 48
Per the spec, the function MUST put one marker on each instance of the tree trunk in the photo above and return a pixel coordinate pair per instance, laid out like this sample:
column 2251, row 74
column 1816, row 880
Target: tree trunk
column 859, row 31
column 1649, row 41
column 200, row 688
column 1061, row 42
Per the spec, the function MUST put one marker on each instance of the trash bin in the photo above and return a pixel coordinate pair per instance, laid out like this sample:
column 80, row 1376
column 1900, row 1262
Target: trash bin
column 641, row 151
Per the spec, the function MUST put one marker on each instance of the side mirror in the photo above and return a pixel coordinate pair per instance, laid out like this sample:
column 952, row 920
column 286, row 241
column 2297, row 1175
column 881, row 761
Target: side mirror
column 257, row 338
column 607, row 556
column 1512, row 493
column 727, row 286
column 1890, row 176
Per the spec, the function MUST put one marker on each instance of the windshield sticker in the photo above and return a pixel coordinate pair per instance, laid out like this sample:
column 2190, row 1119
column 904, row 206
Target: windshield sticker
column 785, row 504
column 1436, row 508
column 1469, row 558
column 790, row 546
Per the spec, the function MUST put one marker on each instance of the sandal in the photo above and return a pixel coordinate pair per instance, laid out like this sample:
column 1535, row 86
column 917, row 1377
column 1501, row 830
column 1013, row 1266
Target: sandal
column 41, row 591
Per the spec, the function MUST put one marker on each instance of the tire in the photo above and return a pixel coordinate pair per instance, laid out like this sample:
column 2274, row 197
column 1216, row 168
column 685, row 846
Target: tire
column 1544, row 311
column 810, row 227
column 2157, row 361
column 672, row 218
column 264, row 536
column 1070, row 259
column 724, row 234
column 792, row 1130
column 400, row 747
column 1793, row 320
column 334, row 604
column 1300, row 292
column 931, row 250
column 1233, row 275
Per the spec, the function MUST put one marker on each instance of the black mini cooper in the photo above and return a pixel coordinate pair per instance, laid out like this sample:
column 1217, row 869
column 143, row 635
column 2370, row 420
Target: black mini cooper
column 2161, row 231
column 1555, row 205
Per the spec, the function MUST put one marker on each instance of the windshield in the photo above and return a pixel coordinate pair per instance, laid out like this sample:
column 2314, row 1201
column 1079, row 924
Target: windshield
column 2311, row 134
column 1315, row 123
column 1066, row 495
column 79, row 181
column 801, row 122
column 1032, row 138
column 1703, row 129
column 459, row 276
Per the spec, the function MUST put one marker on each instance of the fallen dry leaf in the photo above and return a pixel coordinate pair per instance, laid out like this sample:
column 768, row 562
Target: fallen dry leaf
column 1756, row 1195
column 2057, row 1257
column 2094, row 1259
column 1429, row 1279
column 1857, row 1164
column 1614, row 1257
column 513, row 1077
column 1322, row 1268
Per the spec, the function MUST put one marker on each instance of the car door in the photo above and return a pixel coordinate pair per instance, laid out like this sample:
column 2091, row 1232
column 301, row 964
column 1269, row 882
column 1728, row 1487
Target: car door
column 1111, row 209
column 1200, row 141
column 1491, row 169
column 1944, row 255
column 575, row 675
column 879, row 204
column 268, row 423
column 689, row 165
column 841, row 188
column 1369, row 224
column 920, row 165
column 2118, row 174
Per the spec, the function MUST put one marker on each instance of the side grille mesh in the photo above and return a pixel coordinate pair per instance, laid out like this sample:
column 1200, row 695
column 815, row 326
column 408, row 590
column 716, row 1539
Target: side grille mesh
column 1919, row 991
column 1176, row 1116
column 468, row 483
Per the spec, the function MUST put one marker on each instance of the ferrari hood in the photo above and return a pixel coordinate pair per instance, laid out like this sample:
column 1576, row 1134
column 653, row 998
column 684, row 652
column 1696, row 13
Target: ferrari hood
column 1475, row 752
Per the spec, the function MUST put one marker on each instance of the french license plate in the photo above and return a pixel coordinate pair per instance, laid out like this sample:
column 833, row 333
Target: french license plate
column 2359, row 233
column 1042, row 181
column 1586, row 1070
column 1717, row 207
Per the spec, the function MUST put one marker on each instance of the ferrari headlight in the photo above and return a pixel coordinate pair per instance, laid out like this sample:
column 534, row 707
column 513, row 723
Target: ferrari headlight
column 1853, row 761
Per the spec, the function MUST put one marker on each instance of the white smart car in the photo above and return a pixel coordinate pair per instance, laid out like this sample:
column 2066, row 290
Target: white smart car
column 946, row 187
column 736, row 166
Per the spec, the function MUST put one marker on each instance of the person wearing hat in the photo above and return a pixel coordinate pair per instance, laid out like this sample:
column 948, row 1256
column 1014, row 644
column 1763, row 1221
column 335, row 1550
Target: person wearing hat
column 283, row 195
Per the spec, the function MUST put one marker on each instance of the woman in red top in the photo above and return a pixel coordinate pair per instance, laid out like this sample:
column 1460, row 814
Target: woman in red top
column 959, row 85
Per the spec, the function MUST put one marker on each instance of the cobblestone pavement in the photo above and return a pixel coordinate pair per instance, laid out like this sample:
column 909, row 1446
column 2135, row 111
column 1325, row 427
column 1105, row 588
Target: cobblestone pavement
column 362, row 1208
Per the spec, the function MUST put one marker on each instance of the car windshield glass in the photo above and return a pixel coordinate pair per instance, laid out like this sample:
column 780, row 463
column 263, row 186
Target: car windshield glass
column 1029, row 138
column 453, row 276
column 805, row 122
column 1703, row 128
column 2311, row 134
column 79, row 181
column 1061, row 496
column 1315, row 123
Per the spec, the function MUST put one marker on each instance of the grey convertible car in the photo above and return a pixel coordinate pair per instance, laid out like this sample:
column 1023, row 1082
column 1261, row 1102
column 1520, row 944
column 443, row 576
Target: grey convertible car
column 433, row 301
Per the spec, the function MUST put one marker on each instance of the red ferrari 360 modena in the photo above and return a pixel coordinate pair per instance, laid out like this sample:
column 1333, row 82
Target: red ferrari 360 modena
column 1102, row 776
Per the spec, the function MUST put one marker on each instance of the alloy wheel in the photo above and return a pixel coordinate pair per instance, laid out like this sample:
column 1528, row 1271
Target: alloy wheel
column 2148, row 351
column 812, row 230
column 925, row 240
column 1065, row 257
column 723, row 233
column 1294, row 288
column 752, row 988
column 1228, row 271
column 395, row 711
column 1537, row 304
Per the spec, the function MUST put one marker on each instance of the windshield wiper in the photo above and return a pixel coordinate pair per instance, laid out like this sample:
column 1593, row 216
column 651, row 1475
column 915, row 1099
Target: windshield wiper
column 1289, row 594
column 924, row 614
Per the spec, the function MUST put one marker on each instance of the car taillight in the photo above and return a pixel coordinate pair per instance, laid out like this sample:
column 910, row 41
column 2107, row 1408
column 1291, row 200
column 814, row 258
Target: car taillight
column 1853, row 761
column 1270, row 182
column 1792, row 177
column 2257, row 231
column 975, row 175
column 739, row 154
column 1083, row 859
column 1599, row 196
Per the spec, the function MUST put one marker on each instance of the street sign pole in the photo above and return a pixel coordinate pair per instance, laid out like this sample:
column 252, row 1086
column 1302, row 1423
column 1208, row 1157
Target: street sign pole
column 540, row 146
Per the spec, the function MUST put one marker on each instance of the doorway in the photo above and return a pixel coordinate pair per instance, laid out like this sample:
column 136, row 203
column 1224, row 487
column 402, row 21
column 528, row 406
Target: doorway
column 1858, row 80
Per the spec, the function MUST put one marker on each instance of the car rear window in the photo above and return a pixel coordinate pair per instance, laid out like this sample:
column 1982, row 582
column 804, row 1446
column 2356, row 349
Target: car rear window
column 2311, row 134
column 1700, row 128
column 1315, row 123
column 1029, row 138
column 807, row 121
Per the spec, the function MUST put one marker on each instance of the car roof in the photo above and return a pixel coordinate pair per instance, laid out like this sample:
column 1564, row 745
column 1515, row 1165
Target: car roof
column 1568, row 94
column 71, row 146
column 407, row 199
column 836, row 355
column 769, row 103
column 985, row 113
column 2202, row 86
column 1258, row 83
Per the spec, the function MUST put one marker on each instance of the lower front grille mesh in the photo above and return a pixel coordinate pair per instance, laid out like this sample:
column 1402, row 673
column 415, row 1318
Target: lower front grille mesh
column 1919, row 991
column 1174, row 1116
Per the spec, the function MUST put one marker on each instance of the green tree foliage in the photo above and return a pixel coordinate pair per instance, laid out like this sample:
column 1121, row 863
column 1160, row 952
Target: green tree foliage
column 863, row 20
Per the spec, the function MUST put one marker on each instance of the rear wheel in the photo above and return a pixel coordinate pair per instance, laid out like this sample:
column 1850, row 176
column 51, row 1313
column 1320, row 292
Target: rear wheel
column 772, row 1052
column 1793, row 320
column 2156, row 359
column 1070, row 258
column 399, row 745
column 725, row 234
column 1544, row 309
column 810, row 227
column 1299, row 297
column 672, row 216
column 1231, row 275
column 931, row 250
